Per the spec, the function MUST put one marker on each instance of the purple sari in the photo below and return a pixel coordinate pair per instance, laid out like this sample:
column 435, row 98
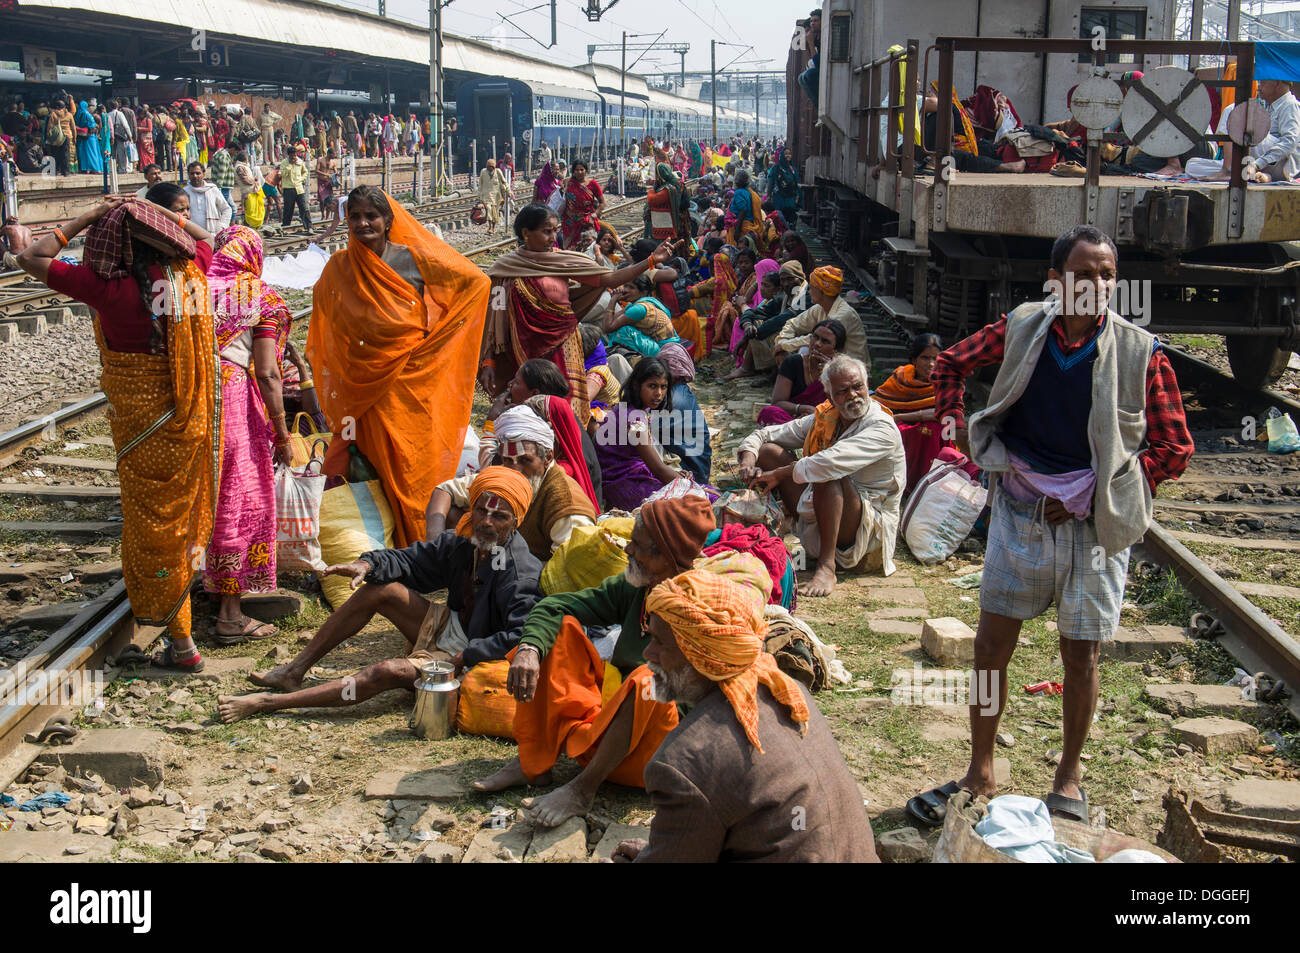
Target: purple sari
column 626, row 478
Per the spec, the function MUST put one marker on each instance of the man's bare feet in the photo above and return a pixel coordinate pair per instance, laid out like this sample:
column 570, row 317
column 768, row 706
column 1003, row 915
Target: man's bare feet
column 280, row 678
column 552, row 810
column 821, row 584
column 978, row 784
column 512, row 775
column 236, row 707
column 1170, row 170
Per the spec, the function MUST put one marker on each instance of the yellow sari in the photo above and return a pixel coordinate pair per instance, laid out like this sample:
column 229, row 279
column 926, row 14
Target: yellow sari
column 165, row 414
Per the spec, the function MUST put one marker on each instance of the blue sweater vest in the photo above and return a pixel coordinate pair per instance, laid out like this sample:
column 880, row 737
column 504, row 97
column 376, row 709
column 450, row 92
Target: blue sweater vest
column 1048, row 426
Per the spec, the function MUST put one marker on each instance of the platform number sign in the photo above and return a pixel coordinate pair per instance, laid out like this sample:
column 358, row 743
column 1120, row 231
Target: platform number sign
column 217, row 54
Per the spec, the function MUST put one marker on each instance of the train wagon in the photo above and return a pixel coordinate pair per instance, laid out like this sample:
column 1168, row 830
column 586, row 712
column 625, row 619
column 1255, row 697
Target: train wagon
column 521, row 115
column 957, row 249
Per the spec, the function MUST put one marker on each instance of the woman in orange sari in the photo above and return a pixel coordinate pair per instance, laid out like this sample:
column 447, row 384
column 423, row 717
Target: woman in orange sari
column 396, row 319
column 908, row 394
column 535, row 315
column 143, row 274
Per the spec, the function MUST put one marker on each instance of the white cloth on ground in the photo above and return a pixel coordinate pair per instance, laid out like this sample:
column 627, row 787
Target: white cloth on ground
column 1021, row 827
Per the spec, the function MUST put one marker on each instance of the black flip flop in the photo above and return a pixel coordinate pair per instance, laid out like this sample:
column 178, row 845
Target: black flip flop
column 166, row 660
column 931, row 807
column 1072, row 809
column 259, row 631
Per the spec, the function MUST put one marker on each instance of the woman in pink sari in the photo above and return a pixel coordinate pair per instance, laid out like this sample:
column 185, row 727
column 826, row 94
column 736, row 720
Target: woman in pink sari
column 144, row 137
column 252, row 326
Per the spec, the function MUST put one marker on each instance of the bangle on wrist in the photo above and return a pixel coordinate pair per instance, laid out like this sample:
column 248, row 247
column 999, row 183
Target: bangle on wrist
column 306, row 385
column 60, row 237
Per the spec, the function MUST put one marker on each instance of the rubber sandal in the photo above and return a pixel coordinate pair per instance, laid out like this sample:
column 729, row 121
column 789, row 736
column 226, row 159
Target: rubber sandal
column 931, row 807
column 1072, row 809
column 252, row 631
column 166, row 660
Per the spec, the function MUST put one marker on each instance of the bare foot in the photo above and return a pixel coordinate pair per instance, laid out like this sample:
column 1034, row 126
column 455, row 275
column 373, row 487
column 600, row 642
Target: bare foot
column 1170, row 170
column 279, row 678
column 978, row 785
column 821, row 584
column 1017, row 166
column 236, row 707
column 512, row 775
column 736, row 375
column 552, row 810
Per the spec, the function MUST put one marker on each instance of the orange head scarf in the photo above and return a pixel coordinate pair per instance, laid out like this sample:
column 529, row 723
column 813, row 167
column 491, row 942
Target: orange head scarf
column 827, row 279
column 719, row 627
column 511, row 485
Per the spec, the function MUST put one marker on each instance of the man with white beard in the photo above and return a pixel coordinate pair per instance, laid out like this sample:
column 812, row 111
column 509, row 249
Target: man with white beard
column 558, row 678
column 846, row 487
column 492, row 584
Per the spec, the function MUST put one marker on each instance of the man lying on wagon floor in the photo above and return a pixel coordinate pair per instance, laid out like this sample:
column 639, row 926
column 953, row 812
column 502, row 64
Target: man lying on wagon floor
column 491, row 580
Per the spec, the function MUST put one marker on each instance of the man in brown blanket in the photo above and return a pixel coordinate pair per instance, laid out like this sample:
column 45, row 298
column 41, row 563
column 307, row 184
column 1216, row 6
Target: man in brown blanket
column 751, row 772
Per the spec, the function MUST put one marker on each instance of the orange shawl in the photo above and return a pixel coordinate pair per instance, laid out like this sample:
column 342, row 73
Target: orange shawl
column 826, row 420
column 902, row 393
column 165, row 414
column 396, row 372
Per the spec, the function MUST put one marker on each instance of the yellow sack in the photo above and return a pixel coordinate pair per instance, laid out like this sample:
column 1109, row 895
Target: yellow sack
column 589, row 557
column 485, row 707
column 354, row 519
column 254, row 209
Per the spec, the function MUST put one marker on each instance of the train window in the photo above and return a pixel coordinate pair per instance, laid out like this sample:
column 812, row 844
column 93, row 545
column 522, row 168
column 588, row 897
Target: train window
column 1119, row 24
column 841, row 36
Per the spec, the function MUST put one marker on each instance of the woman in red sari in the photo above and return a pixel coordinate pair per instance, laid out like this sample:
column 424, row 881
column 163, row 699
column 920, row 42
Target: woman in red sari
column 535, row 316
column 908, row 394
column 583, row 202
column 144, row 137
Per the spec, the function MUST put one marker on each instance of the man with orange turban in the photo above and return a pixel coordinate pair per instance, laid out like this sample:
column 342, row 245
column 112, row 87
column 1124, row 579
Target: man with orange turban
column 559, row 680
column 824, row 286
column 492, row 584
column 751, row 772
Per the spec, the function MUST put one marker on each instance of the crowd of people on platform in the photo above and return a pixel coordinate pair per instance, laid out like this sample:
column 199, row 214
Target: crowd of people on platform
column 631, row 597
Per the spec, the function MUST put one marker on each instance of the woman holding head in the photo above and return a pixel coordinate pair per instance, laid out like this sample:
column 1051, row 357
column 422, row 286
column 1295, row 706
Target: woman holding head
column 798, row 388
column 396, row 317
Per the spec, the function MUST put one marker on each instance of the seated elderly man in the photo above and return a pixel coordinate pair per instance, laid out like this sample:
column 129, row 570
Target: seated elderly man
column 751, row 772
column 824, row 286
column 846, row 488
column 556, row 675
column 491, row 580
column 526, row 444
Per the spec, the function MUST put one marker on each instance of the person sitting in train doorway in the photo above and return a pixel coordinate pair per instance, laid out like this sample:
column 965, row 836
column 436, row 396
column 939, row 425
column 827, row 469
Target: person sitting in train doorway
column 1083, row 421
column 845, row 489
column 492, row 584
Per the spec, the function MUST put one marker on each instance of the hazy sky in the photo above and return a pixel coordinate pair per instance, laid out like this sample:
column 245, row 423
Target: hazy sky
column 765, row 24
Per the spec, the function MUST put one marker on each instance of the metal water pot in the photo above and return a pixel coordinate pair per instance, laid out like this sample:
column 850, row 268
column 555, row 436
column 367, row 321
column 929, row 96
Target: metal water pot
column 437, row 691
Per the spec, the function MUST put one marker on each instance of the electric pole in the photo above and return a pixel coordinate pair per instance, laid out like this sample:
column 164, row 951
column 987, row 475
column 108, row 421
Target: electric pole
column 713, row 86
column 622, row 94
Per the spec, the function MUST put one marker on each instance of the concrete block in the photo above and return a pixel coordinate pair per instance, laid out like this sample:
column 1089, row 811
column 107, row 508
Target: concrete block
column 123, row 757
column 17, row 846
column 440, row 853
column 51, row 617
column 566, row 843
column 1261, row 797
column 614, row 835
column 213, row 668
column 902, row 846
column 57, row 315
column 949, row 642
column 505, row 845
column 1002, row 772
column 437, row 784
column 896, row 627
column 1216, row 735
column 1186, row 699
column 269, row 606
column 1145, row 642
column 896, row 612
column 899, row 595
column 8, row 332
column 33, row 323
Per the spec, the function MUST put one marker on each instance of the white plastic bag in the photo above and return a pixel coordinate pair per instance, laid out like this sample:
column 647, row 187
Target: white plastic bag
column 943, row 509
column 297, row 518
